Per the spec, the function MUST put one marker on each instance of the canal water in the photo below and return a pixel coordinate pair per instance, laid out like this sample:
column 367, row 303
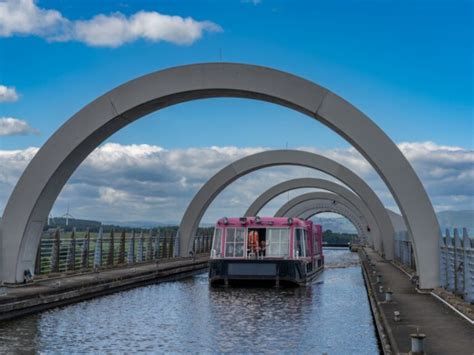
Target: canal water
column 332, row 316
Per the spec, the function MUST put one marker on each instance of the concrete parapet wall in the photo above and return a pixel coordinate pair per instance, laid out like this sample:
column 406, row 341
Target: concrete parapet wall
column 45, row 294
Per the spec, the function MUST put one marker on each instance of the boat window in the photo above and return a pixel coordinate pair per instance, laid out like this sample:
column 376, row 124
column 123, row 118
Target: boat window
column 278, row 242
column 306, row 242
column 239, row 242
column 298, row 246
column 315, row 243
column 303, row 243
column 234, row 244
column 217, row 242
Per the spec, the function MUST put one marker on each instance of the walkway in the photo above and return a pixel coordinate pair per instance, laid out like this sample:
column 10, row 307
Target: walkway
column 446, row 332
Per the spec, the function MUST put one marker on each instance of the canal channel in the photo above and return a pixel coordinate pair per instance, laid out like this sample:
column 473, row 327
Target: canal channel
column 332, row 316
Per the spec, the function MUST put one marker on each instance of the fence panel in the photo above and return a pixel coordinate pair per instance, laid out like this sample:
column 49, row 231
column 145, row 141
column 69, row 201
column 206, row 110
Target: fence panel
column 457, row 264
column 86, row 251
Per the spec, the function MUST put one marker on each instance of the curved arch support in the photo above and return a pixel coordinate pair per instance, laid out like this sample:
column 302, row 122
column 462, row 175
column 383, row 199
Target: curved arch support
column 308, row 209
column 374, row 229
column 314, row 207
column 43, row 179
column 222, row 179
column 334, row 203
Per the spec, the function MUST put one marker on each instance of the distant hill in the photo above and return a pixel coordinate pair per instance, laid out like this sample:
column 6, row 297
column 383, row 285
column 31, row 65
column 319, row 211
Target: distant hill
column 446, row 219
column 72, row 222
column 336, row 224
column 459, row 219
column 139, row 224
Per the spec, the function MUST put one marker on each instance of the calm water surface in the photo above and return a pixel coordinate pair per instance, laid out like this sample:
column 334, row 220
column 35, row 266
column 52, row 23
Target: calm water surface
column 332, row 316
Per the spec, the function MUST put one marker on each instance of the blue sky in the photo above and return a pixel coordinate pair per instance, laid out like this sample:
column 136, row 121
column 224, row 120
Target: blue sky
column 407, row 64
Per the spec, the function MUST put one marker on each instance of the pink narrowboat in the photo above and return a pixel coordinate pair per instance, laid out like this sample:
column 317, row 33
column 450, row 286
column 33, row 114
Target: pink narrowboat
column 265, row 250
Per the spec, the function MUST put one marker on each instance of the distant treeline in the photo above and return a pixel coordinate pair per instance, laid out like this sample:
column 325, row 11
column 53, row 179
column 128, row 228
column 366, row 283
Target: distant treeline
column 81, row 225
column 337, row 238
column 93, row 226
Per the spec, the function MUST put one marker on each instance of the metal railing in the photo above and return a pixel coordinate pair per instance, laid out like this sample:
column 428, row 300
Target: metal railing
column 71, row 252
column 457, row 264
column 456, row 260
column 403, row 250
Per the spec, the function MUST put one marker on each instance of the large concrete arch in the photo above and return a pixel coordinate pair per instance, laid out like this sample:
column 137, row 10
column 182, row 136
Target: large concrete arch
column 296, row 205
column 47, row 173
column 373, row 233
column 307, row 209
column 321, row 206
column 217, row 183
column 335, row 203
column 314, row 207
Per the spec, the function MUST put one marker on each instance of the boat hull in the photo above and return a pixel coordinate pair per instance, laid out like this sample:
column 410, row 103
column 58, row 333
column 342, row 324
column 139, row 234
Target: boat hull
column 262, row 272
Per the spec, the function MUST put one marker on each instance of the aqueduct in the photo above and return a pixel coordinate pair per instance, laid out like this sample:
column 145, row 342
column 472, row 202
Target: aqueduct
column 209, row 191
column 325, row 202
column 372, row 228
column 314, row 207
column 41, row 182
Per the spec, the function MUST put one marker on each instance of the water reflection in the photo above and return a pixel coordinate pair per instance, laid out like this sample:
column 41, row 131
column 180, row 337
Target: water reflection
column 331, row 317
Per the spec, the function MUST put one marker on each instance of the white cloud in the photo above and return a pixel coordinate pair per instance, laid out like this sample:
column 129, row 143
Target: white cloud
column 8, row 94
column 24, row 17
column 147, row 182
column 112, row 196
column 12, row 164
column 10, row 126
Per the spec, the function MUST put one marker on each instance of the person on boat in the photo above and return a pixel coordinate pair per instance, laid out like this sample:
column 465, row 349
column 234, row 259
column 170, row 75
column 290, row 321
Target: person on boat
column 229, row 250
column 261, row 251
column 253, row 242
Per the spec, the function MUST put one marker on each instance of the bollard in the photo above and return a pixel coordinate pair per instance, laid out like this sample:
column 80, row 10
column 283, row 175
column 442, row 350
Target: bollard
column 379, row 278
column 417, row 346
column 396, row 316
column 388, row 296
column 380, row 289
